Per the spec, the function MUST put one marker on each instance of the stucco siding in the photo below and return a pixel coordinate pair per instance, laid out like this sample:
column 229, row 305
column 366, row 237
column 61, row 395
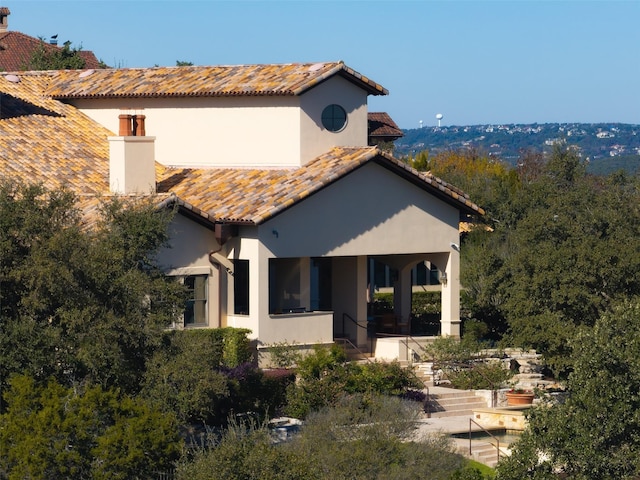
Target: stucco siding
column 315, row 139
column 369, row 212
column 197, row 132
column 188, row 254
column 189, row 245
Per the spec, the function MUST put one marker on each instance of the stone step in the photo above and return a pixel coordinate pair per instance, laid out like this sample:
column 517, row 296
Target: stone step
column 451, row 404
column 485, row 453
column 455, row 413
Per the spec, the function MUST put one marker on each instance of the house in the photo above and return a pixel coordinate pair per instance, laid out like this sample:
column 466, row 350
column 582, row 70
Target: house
column 16, row 49
column 382, row 129
column 283, row 206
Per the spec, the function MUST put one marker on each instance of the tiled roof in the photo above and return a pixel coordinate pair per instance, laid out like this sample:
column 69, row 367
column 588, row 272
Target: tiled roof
column 45, row 140
column 219, row 81
column 255, row 195
column 16, row 49
column 382, row 125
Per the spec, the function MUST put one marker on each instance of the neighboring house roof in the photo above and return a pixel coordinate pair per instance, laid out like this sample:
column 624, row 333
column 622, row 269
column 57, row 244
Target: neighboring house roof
column 17, row 48
column 382, row 127
column 194, row 81
column 45, row 140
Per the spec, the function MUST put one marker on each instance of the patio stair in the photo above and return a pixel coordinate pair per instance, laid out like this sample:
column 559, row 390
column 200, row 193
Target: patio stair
column 455, row 404
column 424, row 371
column 483, row 452
column 353, row 352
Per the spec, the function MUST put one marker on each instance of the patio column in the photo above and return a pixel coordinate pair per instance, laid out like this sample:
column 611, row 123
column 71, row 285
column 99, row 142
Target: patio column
column 450, row 322
column 402, row 293
column 362, row 292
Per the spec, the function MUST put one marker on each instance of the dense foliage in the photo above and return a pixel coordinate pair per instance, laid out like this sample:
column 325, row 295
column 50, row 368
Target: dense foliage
column 52, row 431
column 87, row 369
column 594, row 434
column 324, row 377
column 559, row 249
column 80, row 305
column 359, row 437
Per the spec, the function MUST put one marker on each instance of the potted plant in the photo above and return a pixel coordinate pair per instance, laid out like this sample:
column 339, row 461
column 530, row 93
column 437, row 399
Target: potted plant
column 519, row 396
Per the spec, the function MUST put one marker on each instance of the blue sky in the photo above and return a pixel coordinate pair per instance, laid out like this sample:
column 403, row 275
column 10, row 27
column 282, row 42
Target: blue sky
column 475, row 62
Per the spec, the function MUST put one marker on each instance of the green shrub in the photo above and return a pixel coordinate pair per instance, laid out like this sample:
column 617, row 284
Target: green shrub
column 325, row 378
column 362, row 437
column 489, row 375
column 196, row 374
column 284, row 354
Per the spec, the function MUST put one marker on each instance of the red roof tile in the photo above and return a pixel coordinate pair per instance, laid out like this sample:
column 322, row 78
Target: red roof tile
column 381, row 125
column 17, row 48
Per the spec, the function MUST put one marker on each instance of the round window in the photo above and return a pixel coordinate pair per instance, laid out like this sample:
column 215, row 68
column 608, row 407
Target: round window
column 334, row 118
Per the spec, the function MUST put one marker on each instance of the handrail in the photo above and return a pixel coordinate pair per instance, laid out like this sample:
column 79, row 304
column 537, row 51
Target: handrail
column 354, row 321
column 346, row 340
column 488, row 433
column 358, row 325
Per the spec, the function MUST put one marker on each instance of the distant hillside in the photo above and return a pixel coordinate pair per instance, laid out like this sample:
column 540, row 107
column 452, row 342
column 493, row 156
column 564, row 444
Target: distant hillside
column 606, row 146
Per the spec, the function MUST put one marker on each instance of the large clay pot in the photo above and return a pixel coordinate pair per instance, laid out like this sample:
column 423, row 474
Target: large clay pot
column 525, row 398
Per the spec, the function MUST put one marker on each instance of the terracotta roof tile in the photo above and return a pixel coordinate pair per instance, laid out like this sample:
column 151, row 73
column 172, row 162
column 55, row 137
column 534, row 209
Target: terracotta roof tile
column 382, row 125
column 52, row 142
column 288, row 79
column 255, row 195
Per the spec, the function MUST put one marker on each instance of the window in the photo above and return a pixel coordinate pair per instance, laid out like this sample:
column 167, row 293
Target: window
column 334, row 118
column 321, row 284
column 284, row 285
column 241, row 287
column 195, row 312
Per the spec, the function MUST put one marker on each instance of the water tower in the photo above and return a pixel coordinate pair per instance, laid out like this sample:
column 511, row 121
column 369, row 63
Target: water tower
column 439, row 118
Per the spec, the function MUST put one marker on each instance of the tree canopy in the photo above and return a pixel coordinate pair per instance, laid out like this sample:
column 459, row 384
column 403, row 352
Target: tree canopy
column 561, row 248
column 45, row 57
column 594, row 434
column 80, row 304
column 52, row 431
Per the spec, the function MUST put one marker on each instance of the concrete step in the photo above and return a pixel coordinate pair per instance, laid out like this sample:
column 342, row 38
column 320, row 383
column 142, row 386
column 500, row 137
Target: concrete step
column 451, row 404
column 484, row 452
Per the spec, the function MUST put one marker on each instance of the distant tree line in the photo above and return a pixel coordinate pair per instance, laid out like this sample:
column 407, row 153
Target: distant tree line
column 507, row 142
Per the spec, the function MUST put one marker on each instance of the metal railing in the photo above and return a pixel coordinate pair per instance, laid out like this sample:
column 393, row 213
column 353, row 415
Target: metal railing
column 347, row 317
column 349, row 343
column 497, row 444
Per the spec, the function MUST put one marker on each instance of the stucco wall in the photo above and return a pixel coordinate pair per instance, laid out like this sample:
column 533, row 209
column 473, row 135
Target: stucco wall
column 315, row 139
column 194, row 132
column 370, row 212
column 188, row 254
column 275, row 131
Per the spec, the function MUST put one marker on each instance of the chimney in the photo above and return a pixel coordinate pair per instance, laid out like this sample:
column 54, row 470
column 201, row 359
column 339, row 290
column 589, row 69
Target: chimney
column 4, row 19
column 132, row 165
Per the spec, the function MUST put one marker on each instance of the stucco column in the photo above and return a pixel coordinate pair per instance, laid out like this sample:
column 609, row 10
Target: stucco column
column 450, row 322
column 402, row 293
column 305, row 282
column 361, row 299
